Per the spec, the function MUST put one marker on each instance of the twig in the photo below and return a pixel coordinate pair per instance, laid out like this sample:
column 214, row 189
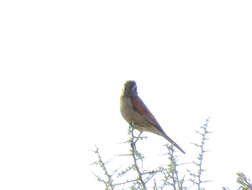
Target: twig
column 135, row 154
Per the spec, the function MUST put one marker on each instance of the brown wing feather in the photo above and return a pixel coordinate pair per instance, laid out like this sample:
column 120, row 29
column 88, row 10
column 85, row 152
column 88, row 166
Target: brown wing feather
column 142, row 109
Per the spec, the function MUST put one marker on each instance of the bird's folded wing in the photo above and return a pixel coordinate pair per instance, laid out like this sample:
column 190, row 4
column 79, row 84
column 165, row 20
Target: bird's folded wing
column 142, row 109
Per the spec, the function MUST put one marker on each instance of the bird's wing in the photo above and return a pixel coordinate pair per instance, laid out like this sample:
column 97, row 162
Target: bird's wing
column 142, row 109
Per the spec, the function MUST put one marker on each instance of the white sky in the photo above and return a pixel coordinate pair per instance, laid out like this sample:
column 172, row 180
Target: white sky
column 63, row 65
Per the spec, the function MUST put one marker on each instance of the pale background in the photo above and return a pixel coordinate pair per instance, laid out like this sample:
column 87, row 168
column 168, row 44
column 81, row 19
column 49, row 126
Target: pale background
column 63, row 65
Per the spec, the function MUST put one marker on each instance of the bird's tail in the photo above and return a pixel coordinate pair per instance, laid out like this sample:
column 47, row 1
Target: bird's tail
column 173, row 143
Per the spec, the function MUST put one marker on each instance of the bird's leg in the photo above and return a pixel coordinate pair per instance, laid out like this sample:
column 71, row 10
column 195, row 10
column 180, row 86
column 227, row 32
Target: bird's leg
column 132, row 124
column 139, row 135
column 136, row 138
column 132, row 131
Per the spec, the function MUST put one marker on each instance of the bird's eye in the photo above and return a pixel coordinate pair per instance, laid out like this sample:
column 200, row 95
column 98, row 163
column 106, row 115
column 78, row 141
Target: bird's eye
column 133, row 88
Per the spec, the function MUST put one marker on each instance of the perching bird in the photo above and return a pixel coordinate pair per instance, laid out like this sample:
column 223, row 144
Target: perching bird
column 138, row 115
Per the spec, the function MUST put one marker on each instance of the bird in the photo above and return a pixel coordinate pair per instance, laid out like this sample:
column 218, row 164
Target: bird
column 136, row 113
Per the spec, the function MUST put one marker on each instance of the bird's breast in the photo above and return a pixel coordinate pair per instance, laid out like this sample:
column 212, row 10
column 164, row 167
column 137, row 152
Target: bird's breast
column 126, row 108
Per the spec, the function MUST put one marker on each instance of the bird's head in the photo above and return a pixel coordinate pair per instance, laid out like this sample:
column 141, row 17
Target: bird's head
column 130, row 88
